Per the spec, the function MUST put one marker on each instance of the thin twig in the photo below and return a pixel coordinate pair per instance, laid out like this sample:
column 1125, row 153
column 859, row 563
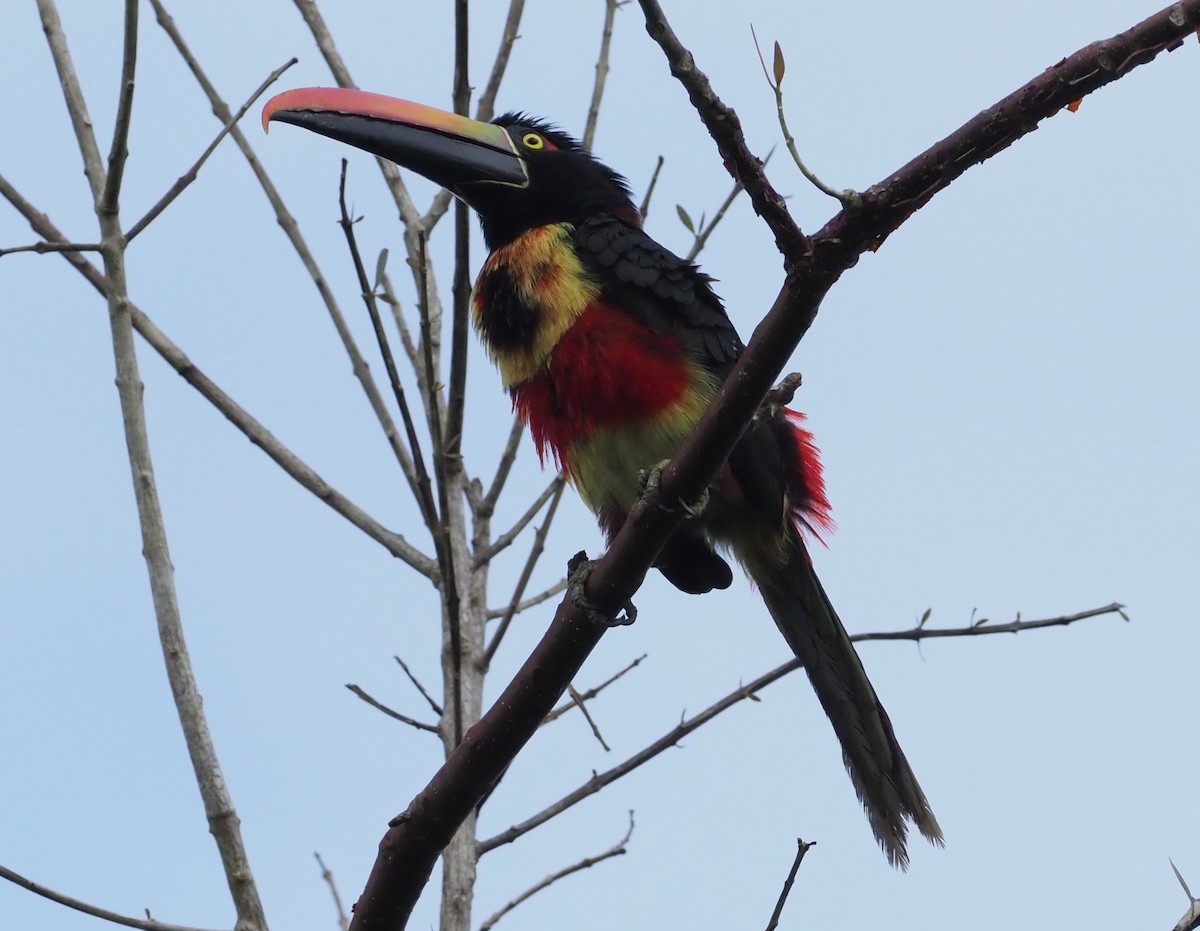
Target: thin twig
column 487, row 97
column 254, row 431
column 589, row 126
column 591, row 693
column 412, row 462
column 146, row 924
column 118, row 153
column 801, row 850
column 705, row 231
column 578, row 699
column 644, row 209
column 687, row 725
column 327, row 875
column 440, row 529
column 846, row 198
column 531, row 602
column 182, row 182
column 391, row 712
column 981, row 628
column 44, row 247
column 615, row 851
column 81, row 121
column 503, row 467
column 535, row 553
column 506, row 539
column 437, row 709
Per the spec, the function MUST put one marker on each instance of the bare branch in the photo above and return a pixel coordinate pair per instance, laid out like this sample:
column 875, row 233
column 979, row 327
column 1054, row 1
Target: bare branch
column 254, row 431
column 705, row 231
column 589, row 126
column 801, row 850
column 485, row 109
column 81, row 121
column 615, row 851
column 577, row 700
column 44, row 247
column 192, row 173
column 391, row 712
column 119, row 152
column 440, row 529
column 343, row 921
column 535, row 553
column 687, row 725
column 644, row 209
column 504, row 466
column 980, row 628
column 506, row 539
column 532, row 602
column 412, row 462
column 668, row 740
column 436, row 708
column 146, row 924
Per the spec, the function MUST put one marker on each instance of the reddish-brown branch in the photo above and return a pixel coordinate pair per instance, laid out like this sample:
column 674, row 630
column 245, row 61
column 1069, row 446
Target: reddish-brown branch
column 414, row 840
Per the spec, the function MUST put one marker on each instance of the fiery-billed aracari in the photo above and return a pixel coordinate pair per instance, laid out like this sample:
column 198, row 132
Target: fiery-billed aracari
column 611, row 347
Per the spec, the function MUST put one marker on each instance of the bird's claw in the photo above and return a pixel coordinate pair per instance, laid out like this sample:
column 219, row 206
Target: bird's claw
column 578, row 569
column 651, row 479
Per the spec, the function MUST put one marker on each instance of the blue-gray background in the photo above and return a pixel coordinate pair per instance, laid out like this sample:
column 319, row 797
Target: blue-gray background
column 1005, row 396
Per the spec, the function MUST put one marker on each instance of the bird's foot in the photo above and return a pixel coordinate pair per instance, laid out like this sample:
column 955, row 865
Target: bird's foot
column 651, row 479
column 578, row 569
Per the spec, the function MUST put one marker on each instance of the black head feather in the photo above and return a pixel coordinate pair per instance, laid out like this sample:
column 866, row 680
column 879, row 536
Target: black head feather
column 566, row 185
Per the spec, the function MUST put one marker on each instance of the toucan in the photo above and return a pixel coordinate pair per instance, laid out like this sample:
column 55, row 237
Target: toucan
column 611, row 347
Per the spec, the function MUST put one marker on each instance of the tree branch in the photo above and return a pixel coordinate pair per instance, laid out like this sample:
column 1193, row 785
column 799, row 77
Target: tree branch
column 343, row 921
column 801, row 850
column 516, row 607
column 146, row 924
column 506, row 539
column 688, row 725
column 391, row 712
column 436, row 708
column 593, row 114
column 580, row 698
column 535, row 553
column 586, row 863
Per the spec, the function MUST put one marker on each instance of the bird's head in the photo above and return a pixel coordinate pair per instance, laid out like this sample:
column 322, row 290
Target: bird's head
column 517, row 172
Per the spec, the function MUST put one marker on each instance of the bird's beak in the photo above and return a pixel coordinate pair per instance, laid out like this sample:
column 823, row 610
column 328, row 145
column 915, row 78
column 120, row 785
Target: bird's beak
column 448, row 149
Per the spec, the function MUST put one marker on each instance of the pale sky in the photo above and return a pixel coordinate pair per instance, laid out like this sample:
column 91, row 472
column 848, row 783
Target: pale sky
column 1004, row 394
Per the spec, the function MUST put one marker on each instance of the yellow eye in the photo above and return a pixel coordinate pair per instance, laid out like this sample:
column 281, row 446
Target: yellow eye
column 533, row 141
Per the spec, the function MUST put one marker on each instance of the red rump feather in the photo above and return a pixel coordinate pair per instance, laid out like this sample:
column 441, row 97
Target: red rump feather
column 807, row 500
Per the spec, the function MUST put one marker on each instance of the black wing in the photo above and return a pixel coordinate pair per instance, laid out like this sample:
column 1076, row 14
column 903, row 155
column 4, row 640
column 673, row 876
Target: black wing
column 670, row 295
column 667, row 293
